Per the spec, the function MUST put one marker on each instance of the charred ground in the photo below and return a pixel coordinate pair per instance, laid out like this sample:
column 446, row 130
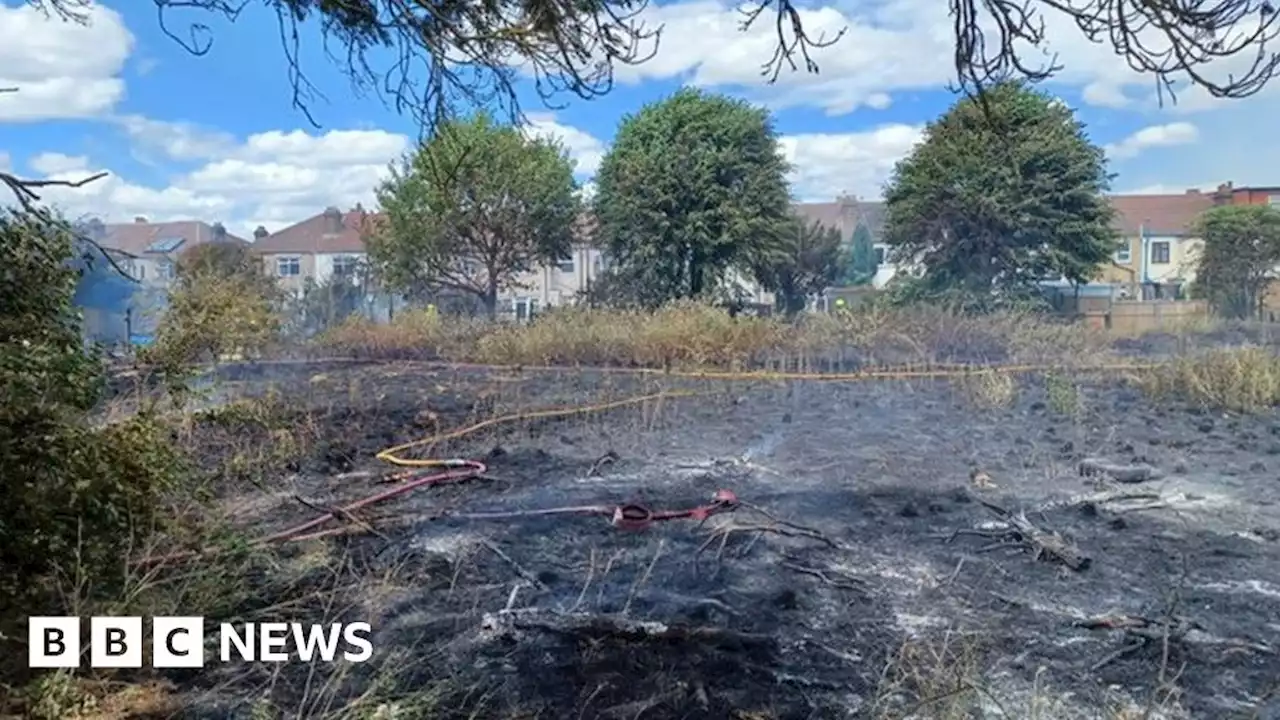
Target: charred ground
column 865, row 610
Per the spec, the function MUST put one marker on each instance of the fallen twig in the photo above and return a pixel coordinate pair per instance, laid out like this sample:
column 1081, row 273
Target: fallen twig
column 844, row 582
column 530, row 577
column 723, row 532
column 1016, row 531
column 606, row 459
column 1141, row 631
column 599, row 627
column 1136, row 473
column 353, row 521
column 1096, row 498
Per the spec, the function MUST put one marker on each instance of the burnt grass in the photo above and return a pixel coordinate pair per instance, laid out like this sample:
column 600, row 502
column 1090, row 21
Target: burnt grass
column 815, row 625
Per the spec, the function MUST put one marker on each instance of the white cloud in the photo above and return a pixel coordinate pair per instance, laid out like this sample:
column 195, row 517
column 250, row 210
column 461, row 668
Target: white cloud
column 586, row 149
column 1178, row 133
column 274, row 178
column 174, row 140
column 61, row 69
column 859, row 163
column 52, row 163
column 889, row 47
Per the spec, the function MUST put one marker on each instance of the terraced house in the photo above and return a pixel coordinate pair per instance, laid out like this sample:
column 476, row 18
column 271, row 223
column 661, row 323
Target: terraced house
column 148, row 252
column 1159, row 249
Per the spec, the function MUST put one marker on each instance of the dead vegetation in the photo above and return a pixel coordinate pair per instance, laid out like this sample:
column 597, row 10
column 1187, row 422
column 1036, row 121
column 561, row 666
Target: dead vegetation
column 1242, row 379
column 693, row 336
column 260, row 457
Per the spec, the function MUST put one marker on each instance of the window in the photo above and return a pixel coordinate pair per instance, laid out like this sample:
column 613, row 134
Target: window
column 346, row 265
column 288, row 267
column 565, row 264
column 1273, row 200
column 880, row 255
column 141, row 271
column 1160, row 253
column 526, row 308
column 164, row 270
column 1124, row 256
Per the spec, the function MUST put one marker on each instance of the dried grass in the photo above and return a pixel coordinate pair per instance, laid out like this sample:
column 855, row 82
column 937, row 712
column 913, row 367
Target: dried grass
column 1239, row 379
column 688, row 335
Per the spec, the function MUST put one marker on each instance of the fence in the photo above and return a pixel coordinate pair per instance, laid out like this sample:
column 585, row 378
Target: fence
column 1134, row 317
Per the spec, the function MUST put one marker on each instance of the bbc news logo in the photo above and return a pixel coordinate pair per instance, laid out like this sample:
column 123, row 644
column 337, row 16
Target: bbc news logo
column 179, row 642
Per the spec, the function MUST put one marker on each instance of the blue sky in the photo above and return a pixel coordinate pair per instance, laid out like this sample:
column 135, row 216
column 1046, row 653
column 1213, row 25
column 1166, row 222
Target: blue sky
column 216, row 136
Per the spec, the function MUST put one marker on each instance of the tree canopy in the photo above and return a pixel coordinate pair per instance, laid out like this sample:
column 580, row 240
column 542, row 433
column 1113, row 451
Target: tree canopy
column 471, row 209
column 805, row 262
column 996, row 199
column 222, row 301
column 860, row 266
column 1240, row 257
column 693, row 185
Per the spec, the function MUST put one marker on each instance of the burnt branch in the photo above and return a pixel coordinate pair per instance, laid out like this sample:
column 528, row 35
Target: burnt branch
column 24, row 191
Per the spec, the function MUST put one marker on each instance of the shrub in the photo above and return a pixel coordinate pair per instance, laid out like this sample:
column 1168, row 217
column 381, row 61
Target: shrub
column 222, row 303
column 1240, row 379
column 76, row 496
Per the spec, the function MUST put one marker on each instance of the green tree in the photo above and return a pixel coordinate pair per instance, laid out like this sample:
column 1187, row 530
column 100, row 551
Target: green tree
column 1240, row 256
column 999, row 197
column 222, row 301
column 694, row 184
column 805, row 262
column 862, row 265
column 474, row 207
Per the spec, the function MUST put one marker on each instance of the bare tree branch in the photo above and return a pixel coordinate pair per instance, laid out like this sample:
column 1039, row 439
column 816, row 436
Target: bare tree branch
column 24, row 190
column 447, row 53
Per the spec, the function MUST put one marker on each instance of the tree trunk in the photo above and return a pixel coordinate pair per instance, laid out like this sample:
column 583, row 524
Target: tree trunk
column 490, row 300
column 695, row 274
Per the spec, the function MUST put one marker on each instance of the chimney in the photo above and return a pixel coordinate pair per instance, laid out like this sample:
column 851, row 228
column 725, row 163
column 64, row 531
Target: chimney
column 1193, row 191
column 96, row 230
column 260, row 233
column 140, row 219
column 219, row 232
column 848, row 215
column 332, row 220
column 1224, row 194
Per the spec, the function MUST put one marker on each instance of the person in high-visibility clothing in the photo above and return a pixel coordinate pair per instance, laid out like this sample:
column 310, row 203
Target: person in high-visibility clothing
column 840, row 303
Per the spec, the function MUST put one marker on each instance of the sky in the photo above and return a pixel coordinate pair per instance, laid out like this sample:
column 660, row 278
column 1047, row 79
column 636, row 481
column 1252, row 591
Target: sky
column 216, row 137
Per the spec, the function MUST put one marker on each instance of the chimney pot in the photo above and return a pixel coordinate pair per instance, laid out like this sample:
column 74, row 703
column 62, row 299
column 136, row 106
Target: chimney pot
column 219, row 231
column 333, row 220
column 140, row 219
column 260, row 233
column 1193, row 191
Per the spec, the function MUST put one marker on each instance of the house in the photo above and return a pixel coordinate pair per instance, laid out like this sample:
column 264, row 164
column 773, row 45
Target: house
column 148, row 253
column 332, row 243
column 1158, row 250
column 1229, row 194
column 153, row 248
column 316, row 249
column 845, row 215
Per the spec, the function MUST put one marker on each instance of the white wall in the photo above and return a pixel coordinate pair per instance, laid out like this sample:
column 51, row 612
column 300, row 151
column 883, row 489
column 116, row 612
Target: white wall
column 324, row 264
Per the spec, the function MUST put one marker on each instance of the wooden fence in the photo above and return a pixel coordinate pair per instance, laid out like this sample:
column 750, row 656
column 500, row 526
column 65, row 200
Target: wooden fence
column 1134, row 317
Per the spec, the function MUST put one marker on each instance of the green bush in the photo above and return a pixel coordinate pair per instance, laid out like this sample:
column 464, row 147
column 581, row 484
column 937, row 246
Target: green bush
column 76, row 497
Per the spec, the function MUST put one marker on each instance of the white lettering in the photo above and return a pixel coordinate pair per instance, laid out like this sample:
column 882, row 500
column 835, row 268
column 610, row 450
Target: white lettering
column 308, row 642
column 272, row 638
column 352, row 634
column 243, row 644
